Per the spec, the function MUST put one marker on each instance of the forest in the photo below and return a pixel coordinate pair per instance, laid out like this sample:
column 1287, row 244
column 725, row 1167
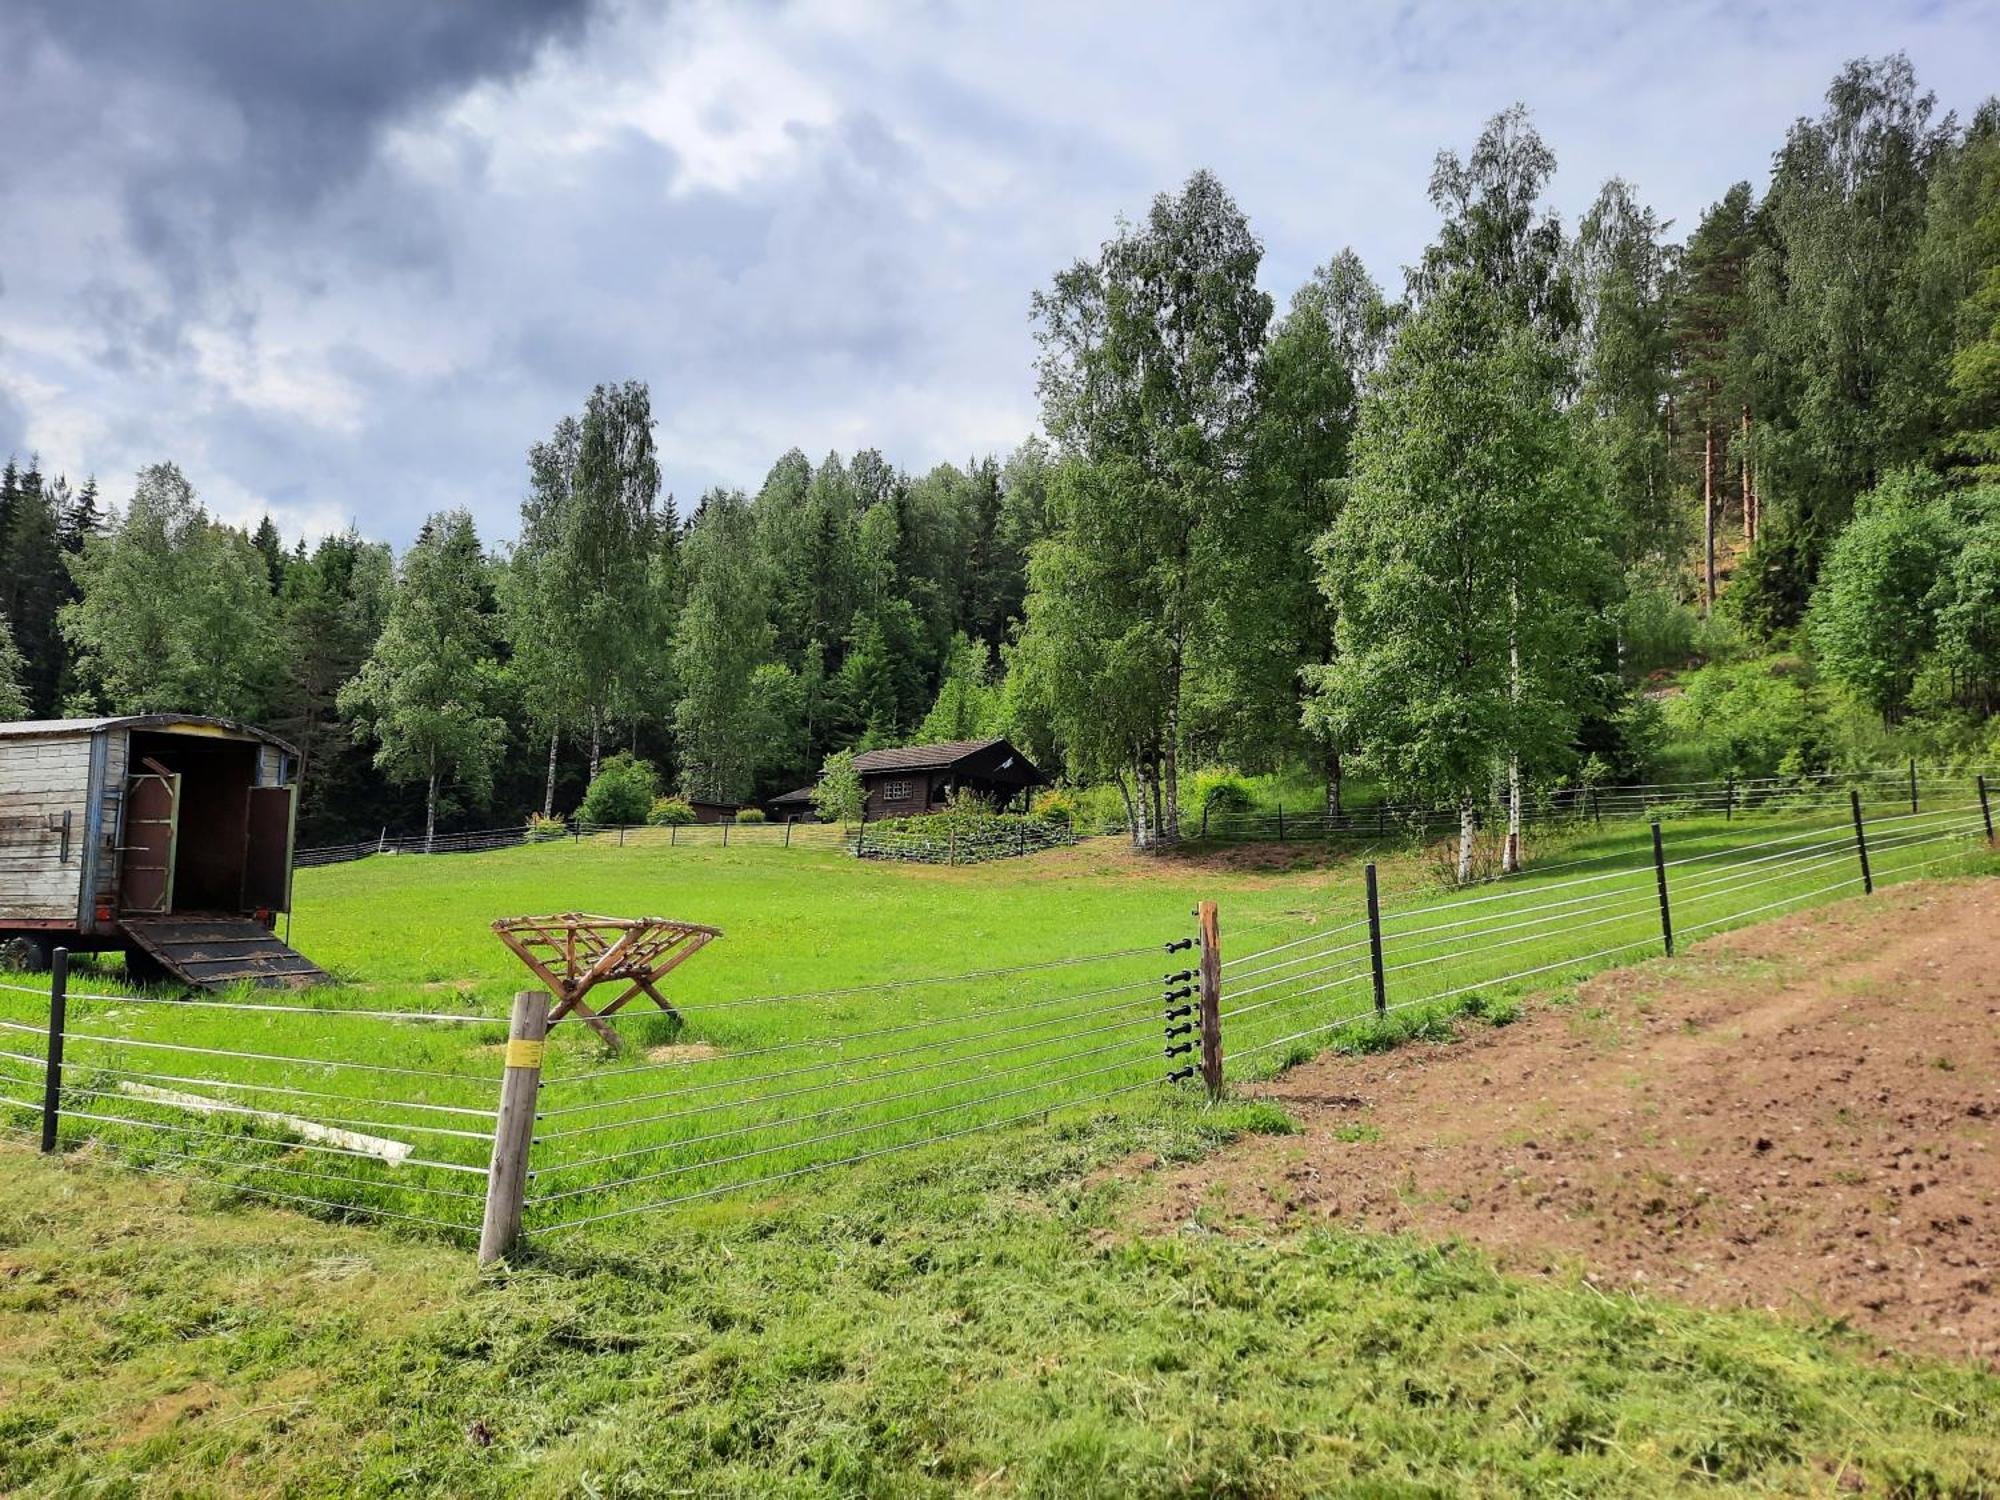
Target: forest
column 1615, row 499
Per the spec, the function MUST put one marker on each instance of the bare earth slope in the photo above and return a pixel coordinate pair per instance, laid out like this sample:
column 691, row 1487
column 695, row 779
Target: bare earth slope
column 1799, row 1116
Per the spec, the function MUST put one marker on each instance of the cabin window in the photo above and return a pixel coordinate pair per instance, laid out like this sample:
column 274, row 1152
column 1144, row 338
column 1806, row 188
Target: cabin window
column 895, row 791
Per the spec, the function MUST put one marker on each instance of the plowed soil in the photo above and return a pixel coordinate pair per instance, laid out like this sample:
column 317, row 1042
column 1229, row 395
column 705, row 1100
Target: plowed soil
column 1798, row 1116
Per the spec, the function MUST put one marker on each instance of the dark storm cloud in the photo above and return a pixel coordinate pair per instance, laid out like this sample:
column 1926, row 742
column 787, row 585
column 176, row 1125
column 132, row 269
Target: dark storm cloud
column 213, row 120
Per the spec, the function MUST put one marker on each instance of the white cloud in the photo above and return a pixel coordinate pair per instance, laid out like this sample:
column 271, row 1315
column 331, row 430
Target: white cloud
column 814, row 224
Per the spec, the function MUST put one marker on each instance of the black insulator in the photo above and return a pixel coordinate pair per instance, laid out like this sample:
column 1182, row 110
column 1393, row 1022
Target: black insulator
column 1181, row 978
column 1179, row 1011
column 1178, row 1048
column 1181, row 1030
column 1180, row 944
column 1183, row 993
column 1179, row 1073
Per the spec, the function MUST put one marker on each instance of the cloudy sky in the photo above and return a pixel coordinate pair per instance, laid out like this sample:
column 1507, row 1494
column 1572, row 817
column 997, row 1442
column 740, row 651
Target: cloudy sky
column 346, row 259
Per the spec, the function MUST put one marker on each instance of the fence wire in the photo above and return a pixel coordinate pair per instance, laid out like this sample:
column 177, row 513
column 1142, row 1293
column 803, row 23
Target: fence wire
column 389, row 1114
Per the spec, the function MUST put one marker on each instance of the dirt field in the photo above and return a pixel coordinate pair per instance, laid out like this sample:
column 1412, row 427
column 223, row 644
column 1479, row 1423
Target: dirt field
column 1799, row 1116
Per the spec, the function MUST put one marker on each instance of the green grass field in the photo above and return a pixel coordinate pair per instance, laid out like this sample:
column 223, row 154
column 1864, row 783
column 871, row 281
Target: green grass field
column 818, row 1031
column 965, row 1317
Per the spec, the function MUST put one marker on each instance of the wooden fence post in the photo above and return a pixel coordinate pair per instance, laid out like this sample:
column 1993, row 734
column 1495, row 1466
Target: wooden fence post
column 1660, row 874
column 58, row 1022
column 1861, row 844
column 1985, row 809
column 725, row 832
column 514, row 1130
column 1913, row 786
column 788, row 833
column 1211, row 999
column 1281, row 822
column 1375, row 944
column 1729, row 799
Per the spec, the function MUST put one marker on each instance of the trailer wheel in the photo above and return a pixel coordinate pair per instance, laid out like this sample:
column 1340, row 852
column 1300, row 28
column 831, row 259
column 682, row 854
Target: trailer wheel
column 142, row 968
column 26, row 953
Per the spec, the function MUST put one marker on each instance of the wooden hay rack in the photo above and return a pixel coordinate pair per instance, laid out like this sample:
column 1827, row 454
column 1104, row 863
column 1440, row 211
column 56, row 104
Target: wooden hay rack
column 574, row 952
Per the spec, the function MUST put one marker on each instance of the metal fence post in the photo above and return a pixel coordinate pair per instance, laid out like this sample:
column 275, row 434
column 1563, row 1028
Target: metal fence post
column 1985, row 809
column 1375, row 944
column 514, row 1130
column 1861, row 844
column 1660, row 874
column 1211, row 999
column 58, row 1022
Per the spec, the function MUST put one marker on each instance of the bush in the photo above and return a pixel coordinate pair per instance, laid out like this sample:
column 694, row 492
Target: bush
column 1217, row 790
column 541, row 829
column 622, row 791
column 670, row 812
column 751, row 815
column 838, row 796
column 1058, row 805
column 1657, row 629
column 1756, row 718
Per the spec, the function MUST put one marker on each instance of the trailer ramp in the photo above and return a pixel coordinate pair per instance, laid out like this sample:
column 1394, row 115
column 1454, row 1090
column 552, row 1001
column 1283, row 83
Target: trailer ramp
column 216, row 951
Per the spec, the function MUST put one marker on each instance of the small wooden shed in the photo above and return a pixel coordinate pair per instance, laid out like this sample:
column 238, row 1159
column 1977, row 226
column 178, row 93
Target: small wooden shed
column 166, row 835
column 915, row 779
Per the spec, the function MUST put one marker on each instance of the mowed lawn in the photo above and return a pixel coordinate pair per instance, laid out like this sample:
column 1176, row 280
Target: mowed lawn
column 976, row 1316
column 852, row 1008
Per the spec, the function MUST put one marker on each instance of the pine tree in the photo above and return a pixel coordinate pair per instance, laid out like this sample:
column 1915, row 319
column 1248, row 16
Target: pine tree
column 267, row 541
column 33, row 581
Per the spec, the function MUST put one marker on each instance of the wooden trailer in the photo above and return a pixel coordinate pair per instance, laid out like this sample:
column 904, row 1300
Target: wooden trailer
column 168, row 836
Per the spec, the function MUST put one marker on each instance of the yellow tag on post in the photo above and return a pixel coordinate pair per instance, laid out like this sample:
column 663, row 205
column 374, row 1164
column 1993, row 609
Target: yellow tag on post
column 522, row 1054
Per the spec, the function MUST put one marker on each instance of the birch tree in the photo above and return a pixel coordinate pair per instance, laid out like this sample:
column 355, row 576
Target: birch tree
column 721, row 638
column 1459, row 567
column 13, row 698
column 577, row 603
column 1148, row 355
column 423, row 695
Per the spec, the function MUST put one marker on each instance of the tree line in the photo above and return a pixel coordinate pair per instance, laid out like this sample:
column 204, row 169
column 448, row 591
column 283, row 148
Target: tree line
column 1439, row 532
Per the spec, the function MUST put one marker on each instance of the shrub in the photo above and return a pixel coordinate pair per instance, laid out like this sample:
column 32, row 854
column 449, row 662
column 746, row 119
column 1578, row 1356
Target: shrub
column 669, row 812
column 1756, row 718
column 1656, row 629
column 751, row 815
column 1217, row 790
column 838, row 796
column 541, row 829
column 1058, row 805
column 622, row 791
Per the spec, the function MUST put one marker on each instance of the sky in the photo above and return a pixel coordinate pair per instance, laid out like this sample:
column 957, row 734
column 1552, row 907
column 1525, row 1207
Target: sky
column 343, row 262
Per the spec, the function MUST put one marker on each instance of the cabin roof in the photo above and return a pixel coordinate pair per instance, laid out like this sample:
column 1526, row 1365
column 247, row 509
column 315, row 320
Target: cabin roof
column 802, row 794
column 920, row 757
column 194, row 723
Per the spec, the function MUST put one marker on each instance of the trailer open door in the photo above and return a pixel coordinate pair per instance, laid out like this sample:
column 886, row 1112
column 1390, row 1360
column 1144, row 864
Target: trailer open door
column 152, row 838
column 267, row 863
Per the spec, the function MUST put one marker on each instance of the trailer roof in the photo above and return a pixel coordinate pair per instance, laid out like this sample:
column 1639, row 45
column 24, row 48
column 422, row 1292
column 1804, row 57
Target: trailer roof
column 199, row 724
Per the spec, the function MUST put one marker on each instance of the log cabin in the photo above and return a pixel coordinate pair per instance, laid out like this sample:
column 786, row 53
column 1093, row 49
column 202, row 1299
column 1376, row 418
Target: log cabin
column 916, row 779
